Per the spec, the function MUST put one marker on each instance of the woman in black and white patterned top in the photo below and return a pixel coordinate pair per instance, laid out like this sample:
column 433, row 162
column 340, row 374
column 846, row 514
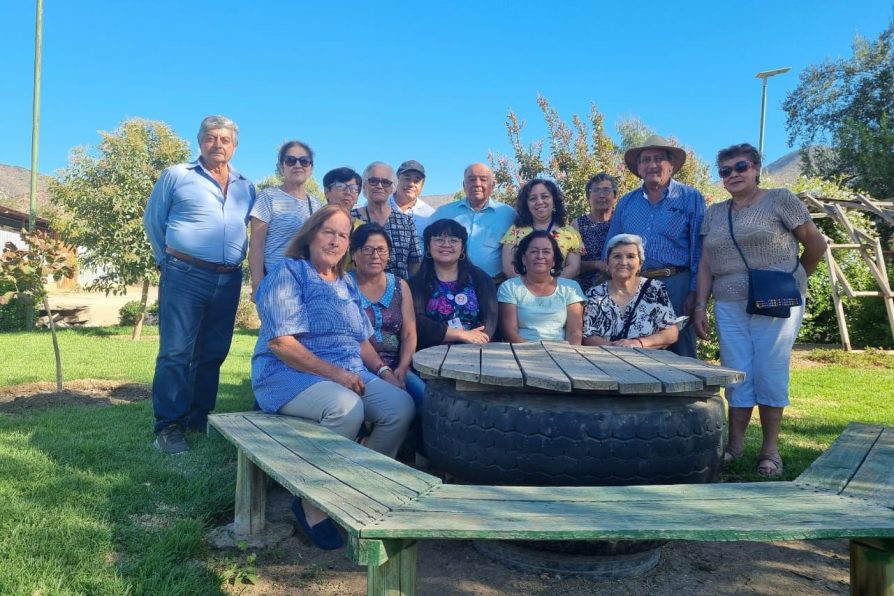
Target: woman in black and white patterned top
column 628, row 310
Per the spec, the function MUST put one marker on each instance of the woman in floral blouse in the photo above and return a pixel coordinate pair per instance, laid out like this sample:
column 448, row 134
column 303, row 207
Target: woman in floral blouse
column 628, row 310
column 455, row 301
column 541, row 206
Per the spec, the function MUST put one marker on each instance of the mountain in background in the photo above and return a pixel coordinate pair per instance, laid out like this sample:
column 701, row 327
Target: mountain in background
column 787, row 168
column 15, row 190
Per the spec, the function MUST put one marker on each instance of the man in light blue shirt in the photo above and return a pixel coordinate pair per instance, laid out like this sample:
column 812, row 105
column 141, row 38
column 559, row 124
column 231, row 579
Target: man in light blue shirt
column 196, row 220
column 668, row 216
column 483, row 218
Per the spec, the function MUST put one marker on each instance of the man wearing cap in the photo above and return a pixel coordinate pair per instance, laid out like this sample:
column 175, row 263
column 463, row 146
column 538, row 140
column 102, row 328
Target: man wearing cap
column 410, row 180
column 668, row 216
column 196, row 221
column 484, row 219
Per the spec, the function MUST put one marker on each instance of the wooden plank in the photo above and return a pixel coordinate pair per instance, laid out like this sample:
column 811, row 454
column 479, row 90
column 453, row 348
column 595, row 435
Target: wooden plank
column 810, row 516
column 710, row 374
column 499, row 367
column 463, row 362
column 584, row 374
column 630, row 379
column 874, row 479
column 837, row 465
column 539, row 369
column 872, row 570
column 397, row 575
column 251, row 498
column 672, row 379
column 428, row 361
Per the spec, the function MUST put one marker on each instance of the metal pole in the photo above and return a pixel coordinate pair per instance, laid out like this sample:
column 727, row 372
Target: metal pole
column 35, row 130
column 763, row 116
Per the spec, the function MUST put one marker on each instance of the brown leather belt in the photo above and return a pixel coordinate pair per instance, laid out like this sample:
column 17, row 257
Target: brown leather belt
column 216, row 267
column 663, row 272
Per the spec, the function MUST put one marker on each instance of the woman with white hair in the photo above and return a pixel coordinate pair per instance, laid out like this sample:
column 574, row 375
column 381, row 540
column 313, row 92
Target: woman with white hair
column 628, row 310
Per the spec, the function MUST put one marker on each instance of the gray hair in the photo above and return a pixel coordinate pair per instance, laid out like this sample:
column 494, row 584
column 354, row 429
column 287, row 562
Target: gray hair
column 626, row 239
column 218, row 121
column 602, row 177
column 382, row 164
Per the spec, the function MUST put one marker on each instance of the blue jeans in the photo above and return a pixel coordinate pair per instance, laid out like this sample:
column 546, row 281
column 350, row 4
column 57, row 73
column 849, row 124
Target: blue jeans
column 677, row 288
column 196, row 316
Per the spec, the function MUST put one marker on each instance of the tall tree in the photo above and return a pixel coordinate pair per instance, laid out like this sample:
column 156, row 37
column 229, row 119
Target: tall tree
column 102, row 198
column 849, row 104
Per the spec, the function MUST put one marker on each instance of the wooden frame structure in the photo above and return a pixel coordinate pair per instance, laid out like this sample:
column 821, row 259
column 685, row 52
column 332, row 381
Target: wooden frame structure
column 869, row 247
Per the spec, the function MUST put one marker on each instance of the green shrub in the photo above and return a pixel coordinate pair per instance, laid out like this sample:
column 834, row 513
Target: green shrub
column 247, row 314
column 12, row 315
column 129, row 314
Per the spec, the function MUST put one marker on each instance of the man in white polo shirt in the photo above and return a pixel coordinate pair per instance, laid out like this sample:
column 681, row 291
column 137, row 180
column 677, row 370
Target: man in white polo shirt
column 410, row 180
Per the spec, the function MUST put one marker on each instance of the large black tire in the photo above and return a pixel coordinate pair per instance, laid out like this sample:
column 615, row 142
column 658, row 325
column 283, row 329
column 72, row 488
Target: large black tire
column 571, row 440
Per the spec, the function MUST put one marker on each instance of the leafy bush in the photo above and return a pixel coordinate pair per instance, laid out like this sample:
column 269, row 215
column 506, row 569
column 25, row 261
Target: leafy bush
column 129, row 314
column 247, row 314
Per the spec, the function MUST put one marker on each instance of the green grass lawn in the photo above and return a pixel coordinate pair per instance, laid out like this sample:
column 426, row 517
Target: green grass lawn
column 88, row 507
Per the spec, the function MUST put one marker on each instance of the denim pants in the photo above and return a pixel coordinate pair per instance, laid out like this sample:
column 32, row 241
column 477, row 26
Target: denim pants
column 196, row 316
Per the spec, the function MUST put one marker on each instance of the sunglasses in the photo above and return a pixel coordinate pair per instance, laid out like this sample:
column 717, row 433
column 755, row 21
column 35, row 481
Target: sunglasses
column 291, row 160
column 738, row 168
column 383, row 182
column 345, row 187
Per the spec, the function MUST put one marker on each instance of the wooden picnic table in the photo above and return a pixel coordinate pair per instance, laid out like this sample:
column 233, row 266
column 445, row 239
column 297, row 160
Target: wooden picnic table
column 560, row 367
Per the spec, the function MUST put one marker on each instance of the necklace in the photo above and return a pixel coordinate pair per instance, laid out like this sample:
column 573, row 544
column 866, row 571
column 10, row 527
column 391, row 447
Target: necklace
column 746, row 203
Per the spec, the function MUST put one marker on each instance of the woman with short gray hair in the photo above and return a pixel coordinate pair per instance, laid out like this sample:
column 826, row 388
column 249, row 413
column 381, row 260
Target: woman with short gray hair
column 628, row 310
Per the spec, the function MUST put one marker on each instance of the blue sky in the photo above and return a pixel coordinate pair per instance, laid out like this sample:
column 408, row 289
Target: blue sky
column 399, row 80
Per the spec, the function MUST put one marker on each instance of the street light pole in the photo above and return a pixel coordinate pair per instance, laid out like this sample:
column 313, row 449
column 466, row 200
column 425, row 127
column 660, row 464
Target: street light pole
column 766, row 75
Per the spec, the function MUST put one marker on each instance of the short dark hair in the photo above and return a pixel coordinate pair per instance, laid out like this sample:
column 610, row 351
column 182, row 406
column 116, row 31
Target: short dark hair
column 281, row 154
column 299, row 245
column 343, row 174
column 427, row 273
column 362, row 234
column 524, row 217
column 601, row 177
column 522, row 248
column 746, row 150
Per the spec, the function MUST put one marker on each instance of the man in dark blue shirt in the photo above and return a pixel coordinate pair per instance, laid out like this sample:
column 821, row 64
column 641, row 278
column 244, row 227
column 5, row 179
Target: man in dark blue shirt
column 668, row 216
column 196, row 221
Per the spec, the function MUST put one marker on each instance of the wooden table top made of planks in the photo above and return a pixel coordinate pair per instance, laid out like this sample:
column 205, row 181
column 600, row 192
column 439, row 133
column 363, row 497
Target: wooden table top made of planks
column 560, row 367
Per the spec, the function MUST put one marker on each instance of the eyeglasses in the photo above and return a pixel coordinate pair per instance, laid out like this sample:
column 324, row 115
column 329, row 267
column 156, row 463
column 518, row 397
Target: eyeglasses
column 653, row 159
column 738, row 168
column 448, row 240
column 383, row 182
column 291, row 160
column 354, row 188
column 602, row 191
column 369, row 251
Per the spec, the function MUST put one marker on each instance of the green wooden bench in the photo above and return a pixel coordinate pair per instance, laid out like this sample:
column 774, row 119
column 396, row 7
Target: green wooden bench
column 385, row 506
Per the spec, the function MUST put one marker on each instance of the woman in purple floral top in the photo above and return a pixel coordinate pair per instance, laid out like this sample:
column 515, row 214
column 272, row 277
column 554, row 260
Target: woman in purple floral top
column 602, row 194
column 454, row 301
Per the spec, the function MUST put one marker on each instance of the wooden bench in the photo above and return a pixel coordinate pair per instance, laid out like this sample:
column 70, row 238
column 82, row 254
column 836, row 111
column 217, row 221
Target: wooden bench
column 385, row 506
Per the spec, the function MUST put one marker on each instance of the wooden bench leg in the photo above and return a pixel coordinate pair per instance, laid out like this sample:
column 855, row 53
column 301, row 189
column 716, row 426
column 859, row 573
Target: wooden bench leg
column 251, row 498
column 872, row 567
column 397, row 575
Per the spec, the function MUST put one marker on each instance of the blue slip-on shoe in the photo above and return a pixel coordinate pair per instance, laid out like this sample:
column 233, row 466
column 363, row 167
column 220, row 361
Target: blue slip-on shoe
column 324, row 534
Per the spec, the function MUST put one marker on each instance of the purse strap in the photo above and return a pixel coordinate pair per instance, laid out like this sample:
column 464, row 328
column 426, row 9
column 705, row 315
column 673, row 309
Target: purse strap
column 630, row 313
column 729, row 219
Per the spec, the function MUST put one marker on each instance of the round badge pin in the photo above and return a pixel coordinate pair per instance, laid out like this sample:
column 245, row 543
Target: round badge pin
column 461, row 299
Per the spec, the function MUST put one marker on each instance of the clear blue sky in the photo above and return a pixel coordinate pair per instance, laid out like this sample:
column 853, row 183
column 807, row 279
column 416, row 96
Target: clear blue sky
column 398, row 80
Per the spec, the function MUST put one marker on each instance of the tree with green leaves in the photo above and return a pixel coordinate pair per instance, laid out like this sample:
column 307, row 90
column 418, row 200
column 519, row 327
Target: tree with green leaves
column 27, row 269
column 102, row 198
column 848, row 104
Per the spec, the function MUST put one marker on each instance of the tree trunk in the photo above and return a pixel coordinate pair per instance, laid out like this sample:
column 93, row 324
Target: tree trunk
column 138, row 328
column 46, row 307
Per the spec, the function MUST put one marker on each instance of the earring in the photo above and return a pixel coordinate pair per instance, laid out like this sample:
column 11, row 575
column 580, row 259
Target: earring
column 462, row 256
column 427, row 255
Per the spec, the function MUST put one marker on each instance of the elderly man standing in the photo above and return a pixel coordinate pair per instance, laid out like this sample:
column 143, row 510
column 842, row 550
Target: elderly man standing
column 483, row 218
column 668, row 216
column 196, row 221
column 410, row 180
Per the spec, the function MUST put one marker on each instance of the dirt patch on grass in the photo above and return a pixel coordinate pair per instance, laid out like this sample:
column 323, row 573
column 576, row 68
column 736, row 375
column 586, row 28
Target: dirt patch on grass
column 17, row 399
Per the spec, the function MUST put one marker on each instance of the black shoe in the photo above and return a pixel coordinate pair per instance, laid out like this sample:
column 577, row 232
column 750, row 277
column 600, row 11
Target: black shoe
column 170, row 440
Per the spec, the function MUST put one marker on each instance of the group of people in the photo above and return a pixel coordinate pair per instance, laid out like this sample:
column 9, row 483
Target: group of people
column 348, row 290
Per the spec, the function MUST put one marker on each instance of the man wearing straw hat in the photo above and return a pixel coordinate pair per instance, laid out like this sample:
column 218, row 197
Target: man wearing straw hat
column 668, row 216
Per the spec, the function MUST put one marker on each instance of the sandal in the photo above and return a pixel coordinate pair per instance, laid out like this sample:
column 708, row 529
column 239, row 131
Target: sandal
column 769, row 465
column 730, row 456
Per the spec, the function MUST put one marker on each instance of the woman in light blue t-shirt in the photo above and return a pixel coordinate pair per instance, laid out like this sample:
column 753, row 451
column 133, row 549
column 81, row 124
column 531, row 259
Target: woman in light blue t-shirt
column 538, row 304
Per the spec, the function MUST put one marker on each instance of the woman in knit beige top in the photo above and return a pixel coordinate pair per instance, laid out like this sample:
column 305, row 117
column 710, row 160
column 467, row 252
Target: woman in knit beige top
column 770, row 226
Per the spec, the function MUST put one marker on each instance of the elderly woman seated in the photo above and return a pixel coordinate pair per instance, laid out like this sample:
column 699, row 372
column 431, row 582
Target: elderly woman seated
column 313, row 358
column 628, row 310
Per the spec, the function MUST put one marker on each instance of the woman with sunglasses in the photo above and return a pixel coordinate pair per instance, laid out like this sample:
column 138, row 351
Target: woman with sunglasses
column 406, row 253
column 454, row 300
column 770, row 226
column 388, row 305
column 602, row 194
column 279, row 211
column 541, row 206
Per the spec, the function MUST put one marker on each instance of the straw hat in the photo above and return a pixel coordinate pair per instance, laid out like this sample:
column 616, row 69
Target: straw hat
column 631, row 156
